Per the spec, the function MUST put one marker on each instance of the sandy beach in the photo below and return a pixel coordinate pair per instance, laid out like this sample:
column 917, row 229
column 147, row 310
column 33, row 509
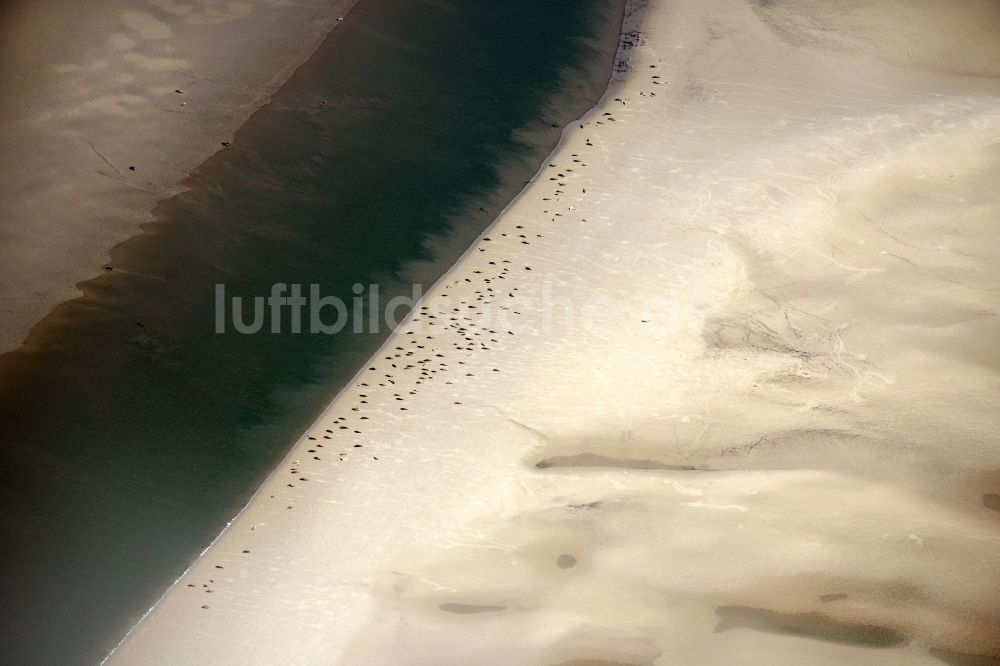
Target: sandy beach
column 718, row 387
column 112, row 115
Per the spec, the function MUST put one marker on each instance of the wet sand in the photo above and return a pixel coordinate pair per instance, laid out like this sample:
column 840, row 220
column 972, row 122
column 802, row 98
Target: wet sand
column 107, row 109
column 758, row 426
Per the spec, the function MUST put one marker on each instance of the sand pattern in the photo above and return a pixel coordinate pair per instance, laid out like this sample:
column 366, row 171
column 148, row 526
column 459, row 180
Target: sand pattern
column 790, row 459
column 124, row 101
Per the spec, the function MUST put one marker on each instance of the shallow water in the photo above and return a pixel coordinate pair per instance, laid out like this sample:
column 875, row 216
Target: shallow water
column 130, row 430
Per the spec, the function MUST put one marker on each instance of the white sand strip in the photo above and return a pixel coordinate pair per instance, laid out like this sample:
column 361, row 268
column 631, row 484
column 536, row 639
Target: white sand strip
column 93, row 133
column 785, row 461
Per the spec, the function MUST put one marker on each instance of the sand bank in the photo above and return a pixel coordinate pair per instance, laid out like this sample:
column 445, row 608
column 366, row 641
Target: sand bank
column 757, row 425
column 107, row 107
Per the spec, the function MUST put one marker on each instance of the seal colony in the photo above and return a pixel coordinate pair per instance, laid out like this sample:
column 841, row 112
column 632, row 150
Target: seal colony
column 791, row 458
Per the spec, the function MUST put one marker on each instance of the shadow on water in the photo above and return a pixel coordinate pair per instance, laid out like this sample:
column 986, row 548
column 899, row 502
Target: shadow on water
column 130, row 430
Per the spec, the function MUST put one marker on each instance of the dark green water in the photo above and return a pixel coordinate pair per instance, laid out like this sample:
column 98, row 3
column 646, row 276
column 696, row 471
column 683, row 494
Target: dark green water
column 126, row 447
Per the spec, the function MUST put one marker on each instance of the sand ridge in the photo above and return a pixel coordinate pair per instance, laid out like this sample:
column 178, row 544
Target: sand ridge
column 758, row 428
column 108, row 109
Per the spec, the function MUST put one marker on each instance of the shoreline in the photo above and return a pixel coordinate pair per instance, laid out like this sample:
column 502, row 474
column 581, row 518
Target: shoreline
column 764, row 474
column 361, row 371
column 68, row 125
column 137, row 338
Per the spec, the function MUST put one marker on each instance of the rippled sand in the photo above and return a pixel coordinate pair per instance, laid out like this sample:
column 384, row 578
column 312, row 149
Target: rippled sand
column 757, row 425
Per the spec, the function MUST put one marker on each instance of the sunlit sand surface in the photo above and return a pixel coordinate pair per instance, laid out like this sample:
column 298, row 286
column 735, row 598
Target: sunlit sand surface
column 791, row 459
